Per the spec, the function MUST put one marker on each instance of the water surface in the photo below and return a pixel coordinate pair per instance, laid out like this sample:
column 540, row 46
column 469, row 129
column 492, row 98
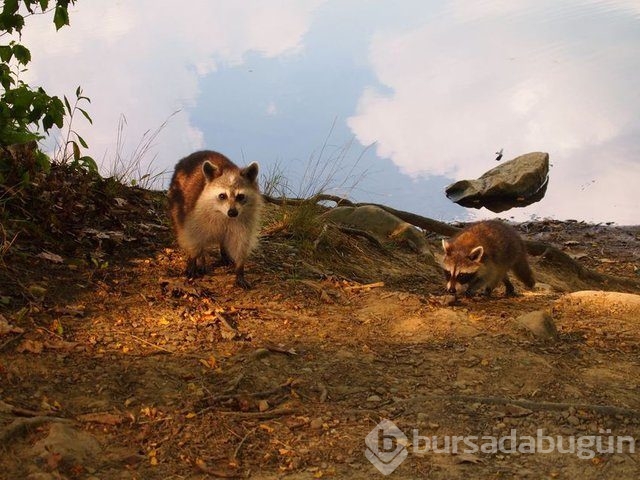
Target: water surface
column 395, row 100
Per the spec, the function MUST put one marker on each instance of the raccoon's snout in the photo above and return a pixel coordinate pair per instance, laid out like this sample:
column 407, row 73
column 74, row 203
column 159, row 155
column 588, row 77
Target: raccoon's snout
column 452, row 289
column 233, row 212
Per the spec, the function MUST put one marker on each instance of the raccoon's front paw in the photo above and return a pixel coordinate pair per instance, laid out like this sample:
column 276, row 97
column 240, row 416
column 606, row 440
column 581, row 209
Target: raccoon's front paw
column 194, row 270
column 242, row 282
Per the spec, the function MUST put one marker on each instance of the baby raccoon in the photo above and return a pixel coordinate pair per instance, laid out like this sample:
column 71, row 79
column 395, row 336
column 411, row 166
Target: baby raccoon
column 479, row 257
column 214, row 202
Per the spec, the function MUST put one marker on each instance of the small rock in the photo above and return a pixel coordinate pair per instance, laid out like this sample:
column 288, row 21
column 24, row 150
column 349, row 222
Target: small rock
column 263, row 405
column 374, row 398
column 316, row 423
column 75, row 446
column 543, row 288
column 449, row 300
column 540, row 324
column 573, row 420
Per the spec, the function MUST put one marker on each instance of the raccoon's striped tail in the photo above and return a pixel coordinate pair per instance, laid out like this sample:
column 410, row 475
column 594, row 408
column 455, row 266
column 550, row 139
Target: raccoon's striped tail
column 522, row 270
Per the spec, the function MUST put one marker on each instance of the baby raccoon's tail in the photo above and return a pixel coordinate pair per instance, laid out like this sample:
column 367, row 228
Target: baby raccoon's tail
column 523, row 271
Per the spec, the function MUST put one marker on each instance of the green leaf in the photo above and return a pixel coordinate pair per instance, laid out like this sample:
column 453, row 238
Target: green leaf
column 76, row 150
column 6, row 52
column 61, row 17
column 86, row 115
column 78, row 92
column 44, row 4
column 67, row 104
column 89, row 163
column 22, row 54
column 81, row 140
column 10, row 7
column 15, row 136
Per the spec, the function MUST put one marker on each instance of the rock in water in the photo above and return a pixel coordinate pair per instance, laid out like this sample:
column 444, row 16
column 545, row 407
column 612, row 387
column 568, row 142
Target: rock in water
column 516, row 183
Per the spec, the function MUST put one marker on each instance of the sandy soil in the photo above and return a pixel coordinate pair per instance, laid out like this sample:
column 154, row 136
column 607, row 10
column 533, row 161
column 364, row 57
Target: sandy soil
column 113, row 366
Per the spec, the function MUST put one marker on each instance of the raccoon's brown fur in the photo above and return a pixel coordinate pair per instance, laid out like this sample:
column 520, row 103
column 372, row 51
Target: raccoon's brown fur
column 213, row 202
column 479, row 257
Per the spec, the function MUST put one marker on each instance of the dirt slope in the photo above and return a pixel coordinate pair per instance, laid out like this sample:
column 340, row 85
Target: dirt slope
column 112, row 366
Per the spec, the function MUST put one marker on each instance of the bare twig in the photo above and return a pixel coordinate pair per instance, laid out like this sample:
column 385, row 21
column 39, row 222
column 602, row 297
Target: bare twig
column 228, row 396
column 278, row 412
column 365, row 286
column 244, row 439
column 158, row 347
column 532, row 404
column 20, row 412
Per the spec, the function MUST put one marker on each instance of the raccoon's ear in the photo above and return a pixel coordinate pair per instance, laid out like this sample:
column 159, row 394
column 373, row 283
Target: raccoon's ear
column 210, row 170
column 446, row 246
column 250, row 172
column 476, row 254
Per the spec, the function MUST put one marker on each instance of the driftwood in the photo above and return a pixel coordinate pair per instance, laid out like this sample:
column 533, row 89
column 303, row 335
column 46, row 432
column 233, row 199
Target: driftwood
column 419, row 221
column 547, row 252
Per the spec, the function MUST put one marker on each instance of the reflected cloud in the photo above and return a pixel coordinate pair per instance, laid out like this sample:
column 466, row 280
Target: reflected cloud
column 144, row 60
column 518, row 75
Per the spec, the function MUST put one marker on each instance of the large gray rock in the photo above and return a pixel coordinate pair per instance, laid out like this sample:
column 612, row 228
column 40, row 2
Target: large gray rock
column 381, row 224
column 516, row 183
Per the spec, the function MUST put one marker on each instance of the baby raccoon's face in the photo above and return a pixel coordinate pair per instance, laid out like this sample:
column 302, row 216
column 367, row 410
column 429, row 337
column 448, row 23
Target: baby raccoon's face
column 462, row 267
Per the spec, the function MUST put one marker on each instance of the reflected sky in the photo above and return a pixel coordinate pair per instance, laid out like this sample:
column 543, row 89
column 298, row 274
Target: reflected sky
column 399, row 100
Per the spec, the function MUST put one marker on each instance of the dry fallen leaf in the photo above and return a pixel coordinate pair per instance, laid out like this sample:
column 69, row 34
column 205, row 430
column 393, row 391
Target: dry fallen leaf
column 468, row 458
column 263, row 405
column 6, row 327
column 52, row 257
column 53, row 460
column 30, row 346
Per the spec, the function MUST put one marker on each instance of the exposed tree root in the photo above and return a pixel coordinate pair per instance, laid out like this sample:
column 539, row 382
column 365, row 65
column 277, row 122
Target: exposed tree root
column 22, row 426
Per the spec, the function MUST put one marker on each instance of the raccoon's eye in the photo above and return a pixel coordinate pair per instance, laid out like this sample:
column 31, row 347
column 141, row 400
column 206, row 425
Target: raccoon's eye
column 240, row 197
column 447, row 274
column 222, row 196
column 465, row 278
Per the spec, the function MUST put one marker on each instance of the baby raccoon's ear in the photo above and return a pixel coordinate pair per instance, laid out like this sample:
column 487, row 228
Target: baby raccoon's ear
column 446, row 246
column 476, row 254
column 250, row 172
column 210, row 171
